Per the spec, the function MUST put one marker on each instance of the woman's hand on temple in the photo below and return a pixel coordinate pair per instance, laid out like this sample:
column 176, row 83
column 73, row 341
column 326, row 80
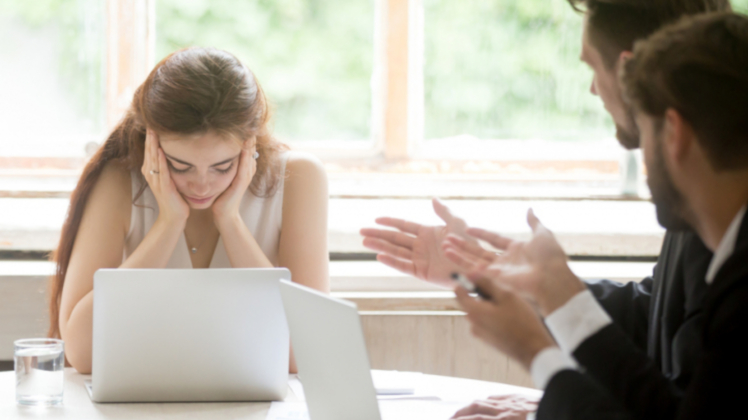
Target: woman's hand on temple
column 226, row 206
column 171, row 206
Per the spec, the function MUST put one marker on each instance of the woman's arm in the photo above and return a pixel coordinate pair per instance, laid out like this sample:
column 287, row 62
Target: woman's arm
column 99, row 244
column 303, row 242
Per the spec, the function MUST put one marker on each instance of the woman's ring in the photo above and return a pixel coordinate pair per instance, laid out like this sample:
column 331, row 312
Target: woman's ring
column 153, row 172
column 255, row 155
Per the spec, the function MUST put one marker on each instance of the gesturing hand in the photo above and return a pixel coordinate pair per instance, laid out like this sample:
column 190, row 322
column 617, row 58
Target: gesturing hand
column 536, row 269
column 416, row 249
column 226, row 206
column 171, row 206
column 506, row 322
column 500, row 407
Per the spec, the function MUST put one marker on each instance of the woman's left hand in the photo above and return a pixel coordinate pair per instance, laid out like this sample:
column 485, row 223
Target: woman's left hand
column 226, row 206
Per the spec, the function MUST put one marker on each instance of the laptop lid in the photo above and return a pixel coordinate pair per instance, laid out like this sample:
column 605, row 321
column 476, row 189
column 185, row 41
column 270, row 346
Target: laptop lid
column 189, row 335
column 330, row 354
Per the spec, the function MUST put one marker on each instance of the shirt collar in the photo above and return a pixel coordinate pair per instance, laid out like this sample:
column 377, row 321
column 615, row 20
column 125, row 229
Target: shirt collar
column 726, row 246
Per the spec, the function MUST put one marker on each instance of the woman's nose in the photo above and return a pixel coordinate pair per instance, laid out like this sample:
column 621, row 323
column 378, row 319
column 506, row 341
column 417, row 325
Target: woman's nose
column 200, row 185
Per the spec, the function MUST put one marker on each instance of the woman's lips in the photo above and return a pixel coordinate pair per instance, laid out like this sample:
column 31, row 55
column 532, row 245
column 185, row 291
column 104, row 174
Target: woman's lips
column 199, row 200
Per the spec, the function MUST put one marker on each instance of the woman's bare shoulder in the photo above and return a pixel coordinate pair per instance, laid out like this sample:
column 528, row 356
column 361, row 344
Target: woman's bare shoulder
column 306, row 180
column 115, row 181
column 301, row 165
column 113, row 192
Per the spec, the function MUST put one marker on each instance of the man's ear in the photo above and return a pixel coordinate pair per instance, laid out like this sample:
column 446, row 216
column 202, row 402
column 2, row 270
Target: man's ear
column 623, row 57
column 677, row 136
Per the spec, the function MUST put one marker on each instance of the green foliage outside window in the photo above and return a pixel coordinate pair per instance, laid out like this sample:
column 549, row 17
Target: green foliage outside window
column 313, row 58
column 494, row 69
column 509, row 69
column 74, row 30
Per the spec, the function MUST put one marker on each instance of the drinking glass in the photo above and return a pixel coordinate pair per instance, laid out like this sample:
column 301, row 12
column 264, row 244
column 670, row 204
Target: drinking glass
column 39, row 371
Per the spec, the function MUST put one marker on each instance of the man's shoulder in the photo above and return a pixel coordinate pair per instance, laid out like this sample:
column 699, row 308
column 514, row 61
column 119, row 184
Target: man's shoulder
column 685, row 246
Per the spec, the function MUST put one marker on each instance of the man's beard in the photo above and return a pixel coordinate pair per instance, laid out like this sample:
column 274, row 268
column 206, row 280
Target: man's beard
column 672, row 209
column 628, row 137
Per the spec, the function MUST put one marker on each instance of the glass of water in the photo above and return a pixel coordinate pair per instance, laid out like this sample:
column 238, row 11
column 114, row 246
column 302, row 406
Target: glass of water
column 40, row 364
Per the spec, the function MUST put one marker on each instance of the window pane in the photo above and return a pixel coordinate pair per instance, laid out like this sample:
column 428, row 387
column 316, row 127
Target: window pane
column 740, row 5
column 312, row 58
column 52, row 76
column 508, row 69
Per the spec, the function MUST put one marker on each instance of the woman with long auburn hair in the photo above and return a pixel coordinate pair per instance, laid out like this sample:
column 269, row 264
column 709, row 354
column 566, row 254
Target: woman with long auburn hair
column 191, row 177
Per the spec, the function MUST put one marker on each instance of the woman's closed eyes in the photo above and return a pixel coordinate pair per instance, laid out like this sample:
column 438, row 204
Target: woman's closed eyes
column 220, row 169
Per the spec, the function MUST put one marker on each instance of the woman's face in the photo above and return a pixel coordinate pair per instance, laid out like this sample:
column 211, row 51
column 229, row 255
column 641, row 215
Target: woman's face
column 201, row 165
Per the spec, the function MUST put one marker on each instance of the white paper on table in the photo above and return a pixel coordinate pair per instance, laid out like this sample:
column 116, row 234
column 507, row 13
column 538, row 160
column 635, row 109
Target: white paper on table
column 393, row 382
column 295, row 384
column 287, row 411
column 388, row 388
column 390, row 410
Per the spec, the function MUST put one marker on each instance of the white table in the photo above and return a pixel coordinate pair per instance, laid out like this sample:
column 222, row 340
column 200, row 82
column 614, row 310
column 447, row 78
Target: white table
column 77, row 405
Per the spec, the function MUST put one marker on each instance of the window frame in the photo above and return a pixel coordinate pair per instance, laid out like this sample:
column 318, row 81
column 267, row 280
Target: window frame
column 397, row 129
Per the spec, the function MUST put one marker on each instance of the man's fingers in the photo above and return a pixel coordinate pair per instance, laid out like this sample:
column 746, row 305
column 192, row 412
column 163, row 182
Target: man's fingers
column 496, row 240
column 397, row 238
column 468, row 248
column 388, row 248
column 461, row 259
column 533, row 221
column 478, row 311
column 478, row 407
column 400, row 224
column 492, row 288
column 441, row 210
column 471, row 247
column 404, row 266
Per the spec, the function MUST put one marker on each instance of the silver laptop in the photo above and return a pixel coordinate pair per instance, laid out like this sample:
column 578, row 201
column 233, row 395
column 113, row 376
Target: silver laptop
column 189, row 335
column 330, row 354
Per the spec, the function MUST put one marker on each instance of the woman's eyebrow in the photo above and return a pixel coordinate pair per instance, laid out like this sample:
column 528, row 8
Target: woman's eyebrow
column 223, row 162
column 178, row 160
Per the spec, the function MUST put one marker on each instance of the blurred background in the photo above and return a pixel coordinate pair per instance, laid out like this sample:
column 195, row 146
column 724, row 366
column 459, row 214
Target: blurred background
column 494, row 70
column 483, row 103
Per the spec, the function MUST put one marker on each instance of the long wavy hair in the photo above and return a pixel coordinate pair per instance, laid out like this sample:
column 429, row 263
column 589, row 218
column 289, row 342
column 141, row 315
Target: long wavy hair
column 191, row 91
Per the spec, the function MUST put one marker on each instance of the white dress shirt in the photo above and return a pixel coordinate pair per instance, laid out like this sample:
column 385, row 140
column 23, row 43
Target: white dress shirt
column 582, row 316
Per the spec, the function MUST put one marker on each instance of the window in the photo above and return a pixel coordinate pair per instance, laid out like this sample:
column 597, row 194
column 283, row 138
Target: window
column 52, row 84
column 403, row 99
column 507, row 70
column 314, row 59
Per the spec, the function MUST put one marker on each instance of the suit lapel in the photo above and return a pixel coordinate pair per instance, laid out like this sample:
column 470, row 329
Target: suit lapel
column 732, row 272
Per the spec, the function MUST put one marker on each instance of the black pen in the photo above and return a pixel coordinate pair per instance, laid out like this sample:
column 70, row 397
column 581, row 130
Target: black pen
column 470, row 286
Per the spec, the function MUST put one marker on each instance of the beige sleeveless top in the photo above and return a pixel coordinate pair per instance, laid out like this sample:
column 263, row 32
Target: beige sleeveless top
column 263, row 217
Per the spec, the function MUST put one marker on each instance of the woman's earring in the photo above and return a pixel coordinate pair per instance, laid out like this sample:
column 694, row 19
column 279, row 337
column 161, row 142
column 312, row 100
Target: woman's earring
column 255, row 156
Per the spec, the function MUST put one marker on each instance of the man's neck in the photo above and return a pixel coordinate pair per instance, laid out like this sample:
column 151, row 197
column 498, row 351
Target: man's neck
column 717, row 205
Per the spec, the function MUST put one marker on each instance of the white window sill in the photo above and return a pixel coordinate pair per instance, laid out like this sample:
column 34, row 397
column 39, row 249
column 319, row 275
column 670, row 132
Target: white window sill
column 584, row 228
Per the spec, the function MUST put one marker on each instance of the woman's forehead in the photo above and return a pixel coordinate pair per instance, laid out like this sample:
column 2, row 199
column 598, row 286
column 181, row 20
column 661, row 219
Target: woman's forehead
column 206, row 148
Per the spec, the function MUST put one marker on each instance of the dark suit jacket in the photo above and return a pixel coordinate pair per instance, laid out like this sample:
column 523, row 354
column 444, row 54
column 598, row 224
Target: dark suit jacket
column 627, row 384
column 662, row 314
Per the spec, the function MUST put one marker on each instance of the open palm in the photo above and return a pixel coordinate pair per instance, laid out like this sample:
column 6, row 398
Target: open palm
column 416, row 249
column 537, row 269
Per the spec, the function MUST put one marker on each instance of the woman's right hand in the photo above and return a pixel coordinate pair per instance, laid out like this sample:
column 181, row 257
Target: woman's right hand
column 171, row 206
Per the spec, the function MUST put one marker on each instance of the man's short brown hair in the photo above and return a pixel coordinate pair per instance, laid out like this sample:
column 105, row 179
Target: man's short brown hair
column 698, row 67
column 614, row 25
